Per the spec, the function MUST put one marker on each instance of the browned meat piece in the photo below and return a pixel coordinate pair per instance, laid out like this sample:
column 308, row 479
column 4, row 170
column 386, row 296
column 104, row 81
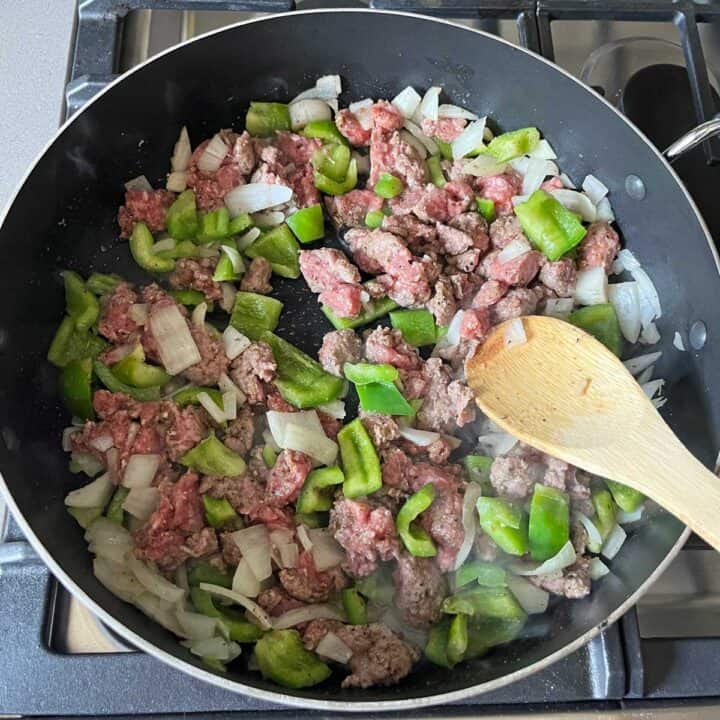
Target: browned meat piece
column 327, row 271
column 391, row 154
column 504, row 230
column 559, row 277
column 239, row 433
column 308, row 584
column 350, row 209
column 445, row 129
column 287, row 477
column 397, row 468
column 214, row 361
column 578, row 488
column 230, row 551
column 447, row 402
column 579, row 537
column 518, row 302
column 383, row 345
column 443, row 522
column 115, row 322
column 419, row 236
column 257, row 277
column 439, row 451
column 351, row 128
column 490, row 292
column 465, row 285
column 146, row 206
column 250, row 370
column 453, row 241
column 184, row 428
column 501, row 189
column 196, row 274
column 465, row 262
column 339, row 347
column 442, row 304
column 275, row 601
column 572, row 582
column 476, row 324
column 514, row 477
column 420, row 589
column 475, row 226
column 599, row 247
column 377, row 251
column 518, row 271
column 381, row 428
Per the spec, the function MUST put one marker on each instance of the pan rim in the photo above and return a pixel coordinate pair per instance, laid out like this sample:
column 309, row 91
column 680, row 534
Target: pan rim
column 279, row 696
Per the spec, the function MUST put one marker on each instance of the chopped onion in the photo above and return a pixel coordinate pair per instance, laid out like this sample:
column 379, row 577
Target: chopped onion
column 407, row 101
column 153, row 581
column 289, row 554
column 101, row 443
column 422, row 438
column 625, row 299
column 565, row 557
column 559, row 307
column 497, row 443
column 430, row 103
column 416, row 131
column 517, row 199
column 116, row 578
column 515, row 333
column 333, row 648
column 483, row 166
column 678, row 341
column 235, row 342
column 325, row 550
column 182, row 152
column 628, row 260
column 315, row 444
column 624, row 517
column 138, row 313
column 577, row 202
column 653, row 387
column 453, row 111
column 252, row 607
column 335, row 409
column 471, row 138
column 604, row 211
column 637, row 364
column 195, row 625
column 598, row 569
column 327, row 87
column 470, row 522
column 537, row 171
column 215, row 412
column 543, row 151
column 567, row 182
column 213, row 155
column 254, row 544
column 594, row 189
column 198, row 314
column 95, row 494
column 139, row 183
column 68, row 432
column 140, row 470
column 319, row 611
column 513, row 249
column 270, row 441
column 303, row 112
column 175, row 344
column 594, row 542
column 228, row 296
column 236, row 261
column 216, row 648
column 141, row 502
column 650, row 334
column 248, row 238
column 229, row 401
column 613, row 542
column 520, row 164
column 176, row 182
column 254, row 197
column 108, row 540
column 161, row 611
column 649, row 301
column 227, row 385
column 591, row 287
column 533, row 600
column 267, row 219
column 414, row 143
column 244, row 580
column 646, row 375
column 281, row 537
column 304, row 538
column 362, row 161
column 453, row 334
column 362, row 110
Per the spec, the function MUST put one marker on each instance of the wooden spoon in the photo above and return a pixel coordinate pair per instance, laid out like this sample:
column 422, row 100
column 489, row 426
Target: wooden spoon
column 565, row 393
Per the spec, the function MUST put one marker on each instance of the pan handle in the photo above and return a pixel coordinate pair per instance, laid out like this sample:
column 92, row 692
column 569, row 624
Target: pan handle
column 693, row 138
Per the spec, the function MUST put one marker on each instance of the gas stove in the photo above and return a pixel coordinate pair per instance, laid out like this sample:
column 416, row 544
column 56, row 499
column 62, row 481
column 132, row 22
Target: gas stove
column 656, row 61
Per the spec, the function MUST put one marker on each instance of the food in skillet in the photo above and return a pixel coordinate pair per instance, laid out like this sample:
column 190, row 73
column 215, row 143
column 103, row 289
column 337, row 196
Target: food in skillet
column 237, row 500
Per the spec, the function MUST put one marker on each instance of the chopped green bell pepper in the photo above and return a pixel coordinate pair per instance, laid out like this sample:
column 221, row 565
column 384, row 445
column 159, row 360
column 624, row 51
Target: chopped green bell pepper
column 269, row 456
column 329, row 186
column 316, row 494
column 133, row 371
column 332, row 161
column 365, row 373
column 284, row 660
column 235, row 626
column 415, row 539
column 506, row 524
column 189, row 395
column 183, row 249
column 214, row 664
column 354, row 606
column 182, row 217
column 203, row 572
column 82, row 306
column 70, row 344
column 626, row 498
column 264, row 118
column 301, row 380
column 106, row 376
column 486, row 208
column 360, row 461
column 324, row 130
column 437, row 643
column 550, row 226
column 376, row 308
column 484, row 573
column 374, row 218
column 240, row 223
column 76, row 388
column 378, row 586
column 255, row 314
column 189, row 297
column 211, row 457
column 457, row 639
column 486, row 633
column 141, row 243
column 602, row 323
column 478, row 467
column 102, row 284
column 85, row 516
column 437, row 177
column 549, row 526
column 388, row 186
column 492, row 602
column 115, row 510
column 218, row 511
column 445, row 148
column 512, row 144
column 605, row 515
column 383, row 398
column 308, row 224
column 417, row 326
column 214, row 225
column 279, row 247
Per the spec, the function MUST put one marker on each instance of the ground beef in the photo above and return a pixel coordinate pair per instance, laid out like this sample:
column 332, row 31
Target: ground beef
column 445, row 129
column 578, row 537
column 489, row 293
column 214, row 362
column 376, row 251
column 287, row 477
column 397, row 468
column 146, row 206
column 514, row 477
column 578, row 488
column 420, row 589
column 572, row 582
column 392, row 154
column 501, row 189
column 476, row 324
column 350, row 127
column 559, row 277
column 327, row 271
column 465, row 262
column 447, row 403
column 115, row 322
column 504, row 230
column 331, row 426
column 518, row 302
column 453, row 241
column 439, row 451
column 420, row 237
column 384, row 345
column 443, row 521
column 518, row 271
column 257, row 277
column 599, row 247
column 275, row 401
column 554, row 183
column 239, row 434
column 308, row 584
column 339, row 347
column 184, row 428
column 382, row 429
column 475, row 226
column 196, row 274
column 442, row 304
column 230, row 551
column 465, row 286
column 350, row 209
column 250, row 370
column 367, row 534
column 275, row 601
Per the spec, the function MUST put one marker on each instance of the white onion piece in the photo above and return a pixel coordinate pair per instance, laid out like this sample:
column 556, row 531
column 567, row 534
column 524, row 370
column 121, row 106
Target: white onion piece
column 139, row 183
column 335, row 409
column 613, row 542
column 270, row 441
column 108, row 540
column 625, row 299
column 543, row 151
column 637, row 364
column 289, row 554
column 624, row 517
column 591, row 287
column 327, row 87
column 453, row 334
column 471, row 138
column 594, row 189
column 414, row 143
column 576, row 202
column 229, row 404
column 182, row 152
column 198, row 314
column 604, row 211
column 653, row 387
column 565, row 557
column 362, row 110
column 263, row 619
column 303, row 112
column 227, row 385
column 558, row 307
column 315, row 444
column 533, row 600
column 646, row 375
column 244, row 580
column 333, row 648
column 248, row 238
column 176, row 181
column 422, row 438
column 407, row 101
column 362, row 162
column 235, row 342
column 68, row 432
column 215, row 412
column 138, row 313
column 216, row 648
column 141, row 502
column 430, row 103
column 678, row 342
column 305, row 614
column 163, row 245
column 594, row 538
column 598, row 569
column 416, row 131
column 140, row 470
column 515, row 333
column 153, row 581
column 117, row 579
column 649, row 301
column 325, row 551
column 161, row 611
column 628, row 260
column 254, row 544
column 236, row 261
column 281, row 537
column 513, row 249
column 360, row 105
column 195, row 625
column 213, row 155
column 101, row 443
column 470, row 522
column 228, row 296
column 453, row 111
column 567, row 182
column 537, row 171
column 497, row 443
column 267, row 219
column 520, row 164
column 304, row 538
column 254, row 197
column 176, row 346
column 93, row 495
column 650, row 334
column 483, row 166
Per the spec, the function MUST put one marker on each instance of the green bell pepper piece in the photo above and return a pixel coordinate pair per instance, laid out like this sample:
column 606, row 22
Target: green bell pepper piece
column 365, row 373
column 374, row 218
column 141, row 243
column 332, row 161
column 506, row 524
column 605, row 515
column 486, row 633
column 115, row 510
column 417, row 326
column 478, row 467
column 415, row 539
column 106, row 376
column 512, row 144
column 316, row 494
column 236, row 627
column 203, row 572
column 383, row 398
column 102, row 284
column 182, row 217
column 279, row 247
column 214, row 225
column 324, row 130
column 550, row 226
column 211, row 457
column 388, row 186
column 70, row 344
column 133, row 371
column 203, row 602
column 486, row 208
column 312, row 520
column 76, row 388
column 218, row 511
column 329, row 186
column 85, row 516
column 626, row 498
column 269, row 456
column 445, row 148
column 360, row 461
column 214, row 664
column 300, row 379
column 191, row 298
column 549, row 526
column 189, row 395
column 492, row 602
column 378, row 586
column 254, row 314
column 240, row 223
column 308, row 224
column 82, row 306
column 354, row 605
column 284, row 660
column 602, row 323
column 436, row 646
column 264, row 118
column 484, row 573
column 376, row 308
column 437, row 177
column 457, row 639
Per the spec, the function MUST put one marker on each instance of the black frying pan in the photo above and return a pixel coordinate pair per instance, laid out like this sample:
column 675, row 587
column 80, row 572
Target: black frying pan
column 64, row 216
